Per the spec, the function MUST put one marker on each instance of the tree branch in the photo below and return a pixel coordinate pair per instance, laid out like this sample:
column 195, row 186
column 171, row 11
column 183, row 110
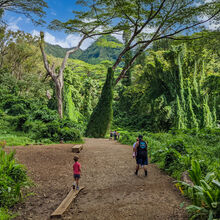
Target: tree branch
column 45, row 60
column 146, row 43
column 67, row 55
column 126, row 68
column 136, row 32
column 188, row 27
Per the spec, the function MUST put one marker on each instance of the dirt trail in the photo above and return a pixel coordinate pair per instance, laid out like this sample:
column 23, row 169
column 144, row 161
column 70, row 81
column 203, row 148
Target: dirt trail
column 112, row 190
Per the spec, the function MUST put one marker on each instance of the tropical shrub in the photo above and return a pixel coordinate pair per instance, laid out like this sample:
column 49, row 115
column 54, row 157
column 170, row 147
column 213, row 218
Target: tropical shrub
column 69, row 134
column 4, row 214
column 2, row 144
column 16, row 106
column 16, row 122
column 45, row 114
column 13, row 179
column 205, row 193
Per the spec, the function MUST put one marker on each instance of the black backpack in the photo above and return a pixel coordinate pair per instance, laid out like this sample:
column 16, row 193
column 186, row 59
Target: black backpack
column 142, row 149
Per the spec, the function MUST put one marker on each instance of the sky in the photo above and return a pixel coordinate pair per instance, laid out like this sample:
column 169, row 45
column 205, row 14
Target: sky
column 58, row 9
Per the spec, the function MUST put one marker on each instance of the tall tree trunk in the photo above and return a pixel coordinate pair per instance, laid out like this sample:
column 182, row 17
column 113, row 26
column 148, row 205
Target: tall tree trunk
column 59, row 90
column 57, row 78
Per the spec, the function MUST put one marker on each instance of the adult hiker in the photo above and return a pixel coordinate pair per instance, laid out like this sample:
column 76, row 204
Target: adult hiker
column 141, row 154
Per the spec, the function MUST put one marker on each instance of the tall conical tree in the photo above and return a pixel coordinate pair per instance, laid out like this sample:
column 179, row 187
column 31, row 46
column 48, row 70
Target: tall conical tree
column 102, row 115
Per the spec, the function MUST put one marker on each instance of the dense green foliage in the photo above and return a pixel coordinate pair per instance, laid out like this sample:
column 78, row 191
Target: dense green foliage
column 174, row 88
column 13, row 179
column 28, row 114
column 100, row 119
column 20, row 113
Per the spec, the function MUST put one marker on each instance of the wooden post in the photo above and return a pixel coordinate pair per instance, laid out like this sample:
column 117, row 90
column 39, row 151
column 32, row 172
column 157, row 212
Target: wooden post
column 66, row 202
column 77, row 148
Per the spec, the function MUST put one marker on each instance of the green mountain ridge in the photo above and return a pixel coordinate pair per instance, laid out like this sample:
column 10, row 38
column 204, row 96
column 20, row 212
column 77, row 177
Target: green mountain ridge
column 104, row 48
column 58, row 51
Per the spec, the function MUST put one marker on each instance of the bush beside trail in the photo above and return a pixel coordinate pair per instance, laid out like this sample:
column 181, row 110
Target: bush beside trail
column 13, row 181
column 35, row 125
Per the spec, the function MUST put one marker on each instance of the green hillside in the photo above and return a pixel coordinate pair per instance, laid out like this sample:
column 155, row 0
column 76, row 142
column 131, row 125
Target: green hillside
column 99, row 51
column 58, row 51
column 105, row 48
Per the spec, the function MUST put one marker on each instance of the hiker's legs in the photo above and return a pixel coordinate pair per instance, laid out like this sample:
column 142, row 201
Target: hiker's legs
column 77, row 182
column 137, row 168
column 74, row 182
column 145, row 169
column 76, row 178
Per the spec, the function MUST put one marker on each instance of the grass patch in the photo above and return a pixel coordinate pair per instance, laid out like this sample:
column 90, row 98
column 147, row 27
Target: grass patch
column 15, row 140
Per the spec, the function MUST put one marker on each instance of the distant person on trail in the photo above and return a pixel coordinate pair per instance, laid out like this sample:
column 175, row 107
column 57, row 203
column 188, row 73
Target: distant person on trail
column 115, row 135
column 76, row 172
column 118, row 136
column 141, row 154
column 111, row 134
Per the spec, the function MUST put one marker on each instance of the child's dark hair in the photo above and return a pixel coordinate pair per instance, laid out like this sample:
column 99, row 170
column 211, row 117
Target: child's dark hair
column 76, row 158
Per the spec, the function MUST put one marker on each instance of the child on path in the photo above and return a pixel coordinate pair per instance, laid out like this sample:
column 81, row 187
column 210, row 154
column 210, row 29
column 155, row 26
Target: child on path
column 76, row 172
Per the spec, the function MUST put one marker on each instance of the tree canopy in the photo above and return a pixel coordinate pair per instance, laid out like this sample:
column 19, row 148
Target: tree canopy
column 29, row 8
column 148, row 21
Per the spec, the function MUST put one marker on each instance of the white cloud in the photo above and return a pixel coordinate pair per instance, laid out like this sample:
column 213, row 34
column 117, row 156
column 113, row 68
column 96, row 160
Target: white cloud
column 71, row 40
column 13, row 23
column 53, row 13
column 118, row 36
column 28, row 20
column 35, row 33
column 210, row 25
column 146, row 30
column 149, row 30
